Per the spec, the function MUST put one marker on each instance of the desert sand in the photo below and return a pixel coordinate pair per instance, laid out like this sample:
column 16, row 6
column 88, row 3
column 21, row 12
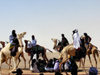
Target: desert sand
column 5, row 70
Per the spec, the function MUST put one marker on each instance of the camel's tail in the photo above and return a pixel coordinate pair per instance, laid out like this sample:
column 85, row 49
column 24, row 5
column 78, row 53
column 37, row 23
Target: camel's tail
column 49, row 50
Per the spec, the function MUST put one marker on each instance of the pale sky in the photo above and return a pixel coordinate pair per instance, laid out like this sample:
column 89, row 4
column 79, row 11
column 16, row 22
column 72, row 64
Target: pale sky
column 48, row 19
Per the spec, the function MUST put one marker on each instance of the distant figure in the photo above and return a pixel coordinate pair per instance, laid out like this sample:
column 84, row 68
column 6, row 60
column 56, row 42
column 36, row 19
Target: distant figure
column 14, row 43
column 93, row 71
column 33, row 41
column 18, row 71
column 87, row 40
column 64, row 41
column 56, row 66
column 76, row 39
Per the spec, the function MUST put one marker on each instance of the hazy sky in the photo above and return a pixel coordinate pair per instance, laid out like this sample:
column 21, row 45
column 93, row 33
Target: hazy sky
column 48, row 19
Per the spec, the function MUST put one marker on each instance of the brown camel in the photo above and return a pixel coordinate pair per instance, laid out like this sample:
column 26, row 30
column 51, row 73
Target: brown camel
column 65, row 53
column 43, row 51
column 91, row 50
column 95, row 52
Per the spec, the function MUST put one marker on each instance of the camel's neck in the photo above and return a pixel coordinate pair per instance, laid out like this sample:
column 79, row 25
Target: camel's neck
column 26, row 43
column 20, row 45
column 55, row 46
column 20, row 42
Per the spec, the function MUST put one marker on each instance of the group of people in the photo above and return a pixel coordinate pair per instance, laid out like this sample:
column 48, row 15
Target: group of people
column 14, row 43
column 64, row 42
column 76, row 40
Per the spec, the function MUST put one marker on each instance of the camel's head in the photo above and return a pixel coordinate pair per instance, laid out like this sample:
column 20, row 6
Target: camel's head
column 55, row 42
column 82, row 37
column 21, row 35
column 3, row 43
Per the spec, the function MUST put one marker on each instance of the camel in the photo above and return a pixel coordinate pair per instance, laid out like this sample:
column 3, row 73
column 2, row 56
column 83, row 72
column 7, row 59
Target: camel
column 22, row 55
column 5, row 52
column 65, row 53
column 95, row 52
column 43, row 51
column 3, row 45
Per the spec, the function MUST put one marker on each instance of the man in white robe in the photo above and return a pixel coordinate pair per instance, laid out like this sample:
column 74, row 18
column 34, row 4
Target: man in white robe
column 76, row 39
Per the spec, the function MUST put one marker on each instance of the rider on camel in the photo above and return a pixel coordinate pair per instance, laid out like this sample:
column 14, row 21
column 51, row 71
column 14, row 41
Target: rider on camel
column 33, row 41
column 76, row 39
column 76, row 44
column 35, row 49
column 87, row 40
column 64, row 41
column 14, row 43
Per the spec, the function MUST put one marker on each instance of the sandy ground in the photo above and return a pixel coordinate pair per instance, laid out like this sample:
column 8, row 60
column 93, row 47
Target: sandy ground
column 5, row 70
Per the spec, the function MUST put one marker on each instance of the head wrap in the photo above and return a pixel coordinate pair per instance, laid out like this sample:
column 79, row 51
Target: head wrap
column 93, row 71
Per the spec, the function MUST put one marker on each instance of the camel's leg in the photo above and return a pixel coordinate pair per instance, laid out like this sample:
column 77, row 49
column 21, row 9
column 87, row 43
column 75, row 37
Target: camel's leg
column 22, row 55
column 29, row 63
column 1, row 61
column 9, row 64
column 0, row 67
column 15, row 64
column 90, row 60
column 98, row 56
column 45, row 57
column 63, row 61
column 80, row 62
column 84, row 60
column 31, row 57
column 18, row 62
column 84, row 67
column 95, row 59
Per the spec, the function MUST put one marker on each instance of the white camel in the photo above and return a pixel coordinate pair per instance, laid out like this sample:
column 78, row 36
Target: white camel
column 5, row 52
